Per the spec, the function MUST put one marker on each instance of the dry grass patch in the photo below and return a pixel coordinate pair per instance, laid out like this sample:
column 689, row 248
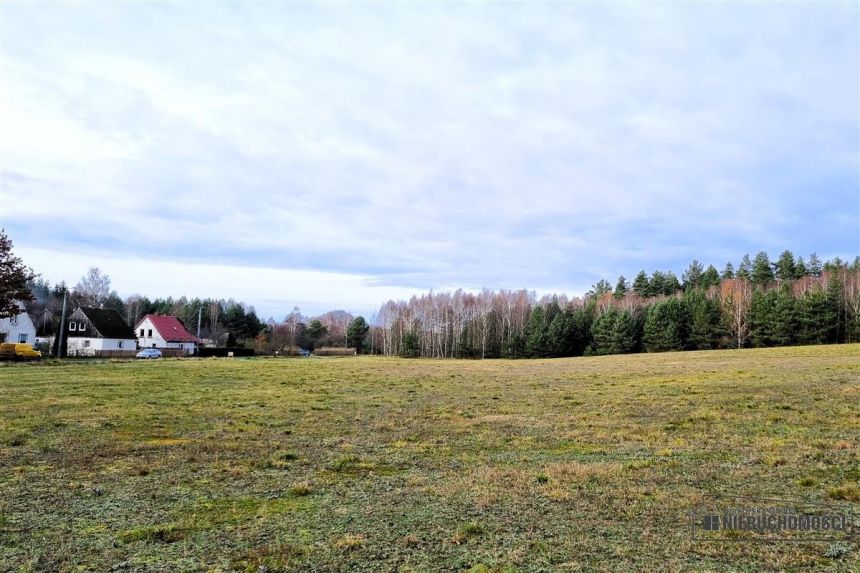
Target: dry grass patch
column 349, row 542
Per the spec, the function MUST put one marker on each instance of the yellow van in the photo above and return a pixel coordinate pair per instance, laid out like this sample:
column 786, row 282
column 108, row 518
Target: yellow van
column 18, row 351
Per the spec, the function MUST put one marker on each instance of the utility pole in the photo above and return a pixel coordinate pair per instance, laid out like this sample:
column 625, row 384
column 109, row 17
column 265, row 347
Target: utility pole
column 199, row 318
column 60, row 347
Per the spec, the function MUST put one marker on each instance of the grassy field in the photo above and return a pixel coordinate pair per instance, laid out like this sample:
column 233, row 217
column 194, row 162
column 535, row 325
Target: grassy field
column 375, row 464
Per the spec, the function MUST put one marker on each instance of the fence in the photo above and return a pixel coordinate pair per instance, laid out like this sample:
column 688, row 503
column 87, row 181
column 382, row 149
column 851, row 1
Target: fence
column 334, row 351
column 224, row 352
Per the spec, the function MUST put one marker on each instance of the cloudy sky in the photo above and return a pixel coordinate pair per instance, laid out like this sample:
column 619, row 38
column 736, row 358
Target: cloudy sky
column 334, row 156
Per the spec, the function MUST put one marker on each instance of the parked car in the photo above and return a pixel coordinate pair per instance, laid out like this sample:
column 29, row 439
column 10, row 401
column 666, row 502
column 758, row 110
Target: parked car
column 304, row 352
column 18, row 351
column 149, row 353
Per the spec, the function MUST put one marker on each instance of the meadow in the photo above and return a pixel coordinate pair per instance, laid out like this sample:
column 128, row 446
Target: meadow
column 384, row 464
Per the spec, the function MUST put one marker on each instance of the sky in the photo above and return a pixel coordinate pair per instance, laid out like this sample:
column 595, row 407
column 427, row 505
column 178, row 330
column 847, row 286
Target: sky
column 338, row 155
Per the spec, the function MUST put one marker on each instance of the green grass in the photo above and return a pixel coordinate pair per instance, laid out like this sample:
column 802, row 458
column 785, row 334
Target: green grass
column 376, row 464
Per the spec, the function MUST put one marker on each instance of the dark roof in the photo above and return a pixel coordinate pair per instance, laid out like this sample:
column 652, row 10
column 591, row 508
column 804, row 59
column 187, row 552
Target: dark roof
column 108, row 322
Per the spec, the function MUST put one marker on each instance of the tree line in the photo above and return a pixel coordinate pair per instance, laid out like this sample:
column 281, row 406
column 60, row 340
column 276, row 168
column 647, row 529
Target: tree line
column 762, row 303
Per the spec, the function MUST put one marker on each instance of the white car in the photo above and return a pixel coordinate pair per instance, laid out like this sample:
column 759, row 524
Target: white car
column 149, row 353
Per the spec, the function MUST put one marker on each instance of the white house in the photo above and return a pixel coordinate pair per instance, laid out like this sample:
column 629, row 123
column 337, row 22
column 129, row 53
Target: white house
column 98, row 332
column 162, row 331
column 19, row 328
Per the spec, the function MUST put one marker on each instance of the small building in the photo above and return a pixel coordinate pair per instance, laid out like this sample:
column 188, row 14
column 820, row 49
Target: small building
column 18, row 328
column 165, row 332
column 46, row 323
column 99, row 332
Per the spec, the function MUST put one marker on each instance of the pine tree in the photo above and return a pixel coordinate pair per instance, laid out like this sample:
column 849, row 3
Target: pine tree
column 641, row 285
column 728, row 271
column 14, row 279
column 745, row 270
column 537, row 341
column 667, row 326
column 601, row 288
column 837, row 311
column 657, row 283
column 615, row 332
column 602, row 331
column 814, row 265
column 357, row 333
column 671, row 284
column 580, row 323
column 706, row 329
column 627, row 333
column 817, row 318
column 785, row 320
column 559, row 336
column 786, row 268
column 620, row 287
column 711, row 277
column 762, row 273
column 761, row 318
column 800, row 269
column 692, row 277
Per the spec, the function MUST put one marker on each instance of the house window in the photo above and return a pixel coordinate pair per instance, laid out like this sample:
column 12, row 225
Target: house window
column 73, row 326
column 119, row 343
column 86, row 343
column 141, row 333
column 22, row 338
column 81, row 326
column 13, row 320
column 150, row 333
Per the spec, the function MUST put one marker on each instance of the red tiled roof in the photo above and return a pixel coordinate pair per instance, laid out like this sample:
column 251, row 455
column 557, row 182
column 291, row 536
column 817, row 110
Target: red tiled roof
column 169, row 327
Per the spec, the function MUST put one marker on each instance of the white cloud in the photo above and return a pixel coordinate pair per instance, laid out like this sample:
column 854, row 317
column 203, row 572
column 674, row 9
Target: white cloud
column 420, row 147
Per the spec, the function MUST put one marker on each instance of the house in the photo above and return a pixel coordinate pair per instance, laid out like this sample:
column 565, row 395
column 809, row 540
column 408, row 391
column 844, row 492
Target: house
column 99, row 332
column 18, row 328
column 46, row 323
column 162, row 331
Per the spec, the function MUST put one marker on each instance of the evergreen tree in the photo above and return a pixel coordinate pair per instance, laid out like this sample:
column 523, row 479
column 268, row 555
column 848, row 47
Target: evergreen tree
column 559, row 336
column 814, row 265
column 641, row 285
column 728, row 271
column 620, row 287
column 411, row 347
column 800, row 269
column 580, row 323
column 786, row 268
column 667, row 326
column 762, row 273
column 14, row 279
column 692, row 277
column 745, row 270
column 657, row 284
column 711, row 277
column 316, row 330
column 671, row 284
column 536, row 339
column 785, row 320
column 706, row 329
column 837, row 311
column 835, row 265
column 817, row 318
column 357, row 333
column 601, row 288
column 615, row 332
column 761, row 318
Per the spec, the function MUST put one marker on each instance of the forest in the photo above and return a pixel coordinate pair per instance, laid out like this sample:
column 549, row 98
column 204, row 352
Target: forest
column 762, row 303
column 790, row 301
